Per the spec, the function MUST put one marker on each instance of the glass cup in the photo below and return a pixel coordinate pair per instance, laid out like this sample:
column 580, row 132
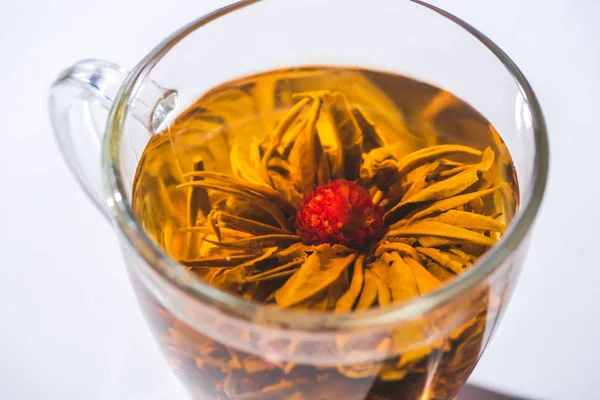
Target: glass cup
column 224, row 347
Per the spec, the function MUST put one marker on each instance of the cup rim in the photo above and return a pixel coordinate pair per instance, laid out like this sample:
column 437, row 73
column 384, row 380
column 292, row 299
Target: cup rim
column 234, row 306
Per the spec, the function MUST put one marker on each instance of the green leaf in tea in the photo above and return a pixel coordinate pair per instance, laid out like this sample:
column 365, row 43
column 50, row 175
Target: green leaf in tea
column 346, row 302
column 369, row 293
column 439, row 229
column 321, row 269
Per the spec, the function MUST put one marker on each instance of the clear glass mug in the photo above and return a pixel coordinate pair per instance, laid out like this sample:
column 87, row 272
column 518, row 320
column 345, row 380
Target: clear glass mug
column 272, row 353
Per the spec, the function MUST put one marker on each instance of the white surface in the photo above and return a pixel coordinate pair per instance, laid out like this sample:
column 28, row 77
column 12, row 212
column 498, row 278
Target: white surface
column 69, row 325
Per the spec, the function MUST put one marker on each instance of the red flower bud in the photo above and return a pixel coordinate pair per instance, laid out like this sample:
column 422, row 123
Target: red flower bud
column 341, row 212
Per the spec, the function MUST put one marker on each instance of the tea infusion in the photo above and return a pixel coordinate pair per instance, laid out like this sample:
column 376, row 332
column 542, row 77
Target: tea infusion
column 325, row 189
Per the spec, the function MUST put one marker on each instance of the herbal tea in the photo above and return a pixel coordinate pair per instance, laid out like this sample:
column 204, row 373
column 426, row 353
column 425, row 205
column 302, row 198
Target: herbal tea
column 327, row 190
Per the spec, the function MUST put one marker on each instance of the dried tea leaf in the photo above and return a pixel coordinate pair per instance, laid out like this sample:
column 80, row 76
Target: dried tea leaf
column 482, row 184
column 324, row 171
column 428, row 154
column 198, row 199
column 272, row 277
column 402, row 248
column 230, row 279
column 426, row 282
column 286, row 188
column 440, row 102
column 453, row 171
column 229, row 386
column 317, row 303
column 321, row 269
column 208, row 250
column 383, row 176
column 210, row 234
column 246, row 225
column 306, row 155
column 436, row 241
column 214, row 224
column 270, row 207
column 420, row 180
column 371, row 138
column 336, row 290
column 359, row 371
column 295, row 251
column 376, row 159
column 415, row 333
column 262, row 190
column 377, row 195
column 474, row 250
column 368, row 296
column 390, row 374
column 218, row 262
column 379, row 268
column 281, row 167
column 384, row 203
column 360, row 89
column 267, row 254
column 443, row 259
column 446, row 188
column 413, row 355
column 258, row 242
column 346, row 302
column 277, row 272
column 464, row 256
column 331, row 145
column 449, row 204
column 277, row 136
column 469, row 220
column 234, row 362
column 290, row 138
column 507, row 200
column 384, row 296
column 242, row 167
column 440, row 272
column 242, row 208
column 326, row 299
column 477, row 206
column 272, row 392
column 400, row 278
column 296, row 396
column 439, row 229
column 451, row 163
column 348, row 135
column 253, row 364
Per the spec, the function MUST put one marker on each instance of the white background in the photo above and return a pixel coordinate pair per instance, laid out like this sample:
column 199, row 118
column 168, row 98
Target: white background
column 69, row 325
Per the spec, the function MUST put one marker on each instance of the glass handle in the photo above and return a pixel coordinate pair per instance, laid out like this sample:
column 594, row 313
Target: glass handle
column 80, row 100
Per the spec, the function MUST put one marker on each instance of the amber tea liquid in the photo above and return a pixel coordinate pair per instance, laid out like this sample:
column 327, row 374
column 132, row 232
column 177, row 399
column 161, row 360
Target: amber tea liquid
column 224, row 187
